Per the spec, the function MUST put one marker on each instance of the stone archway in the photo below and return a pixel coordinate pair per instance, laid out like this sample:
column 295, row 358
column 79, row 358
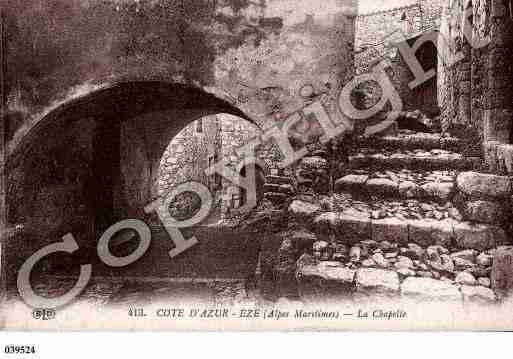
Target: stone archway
column 91, row 162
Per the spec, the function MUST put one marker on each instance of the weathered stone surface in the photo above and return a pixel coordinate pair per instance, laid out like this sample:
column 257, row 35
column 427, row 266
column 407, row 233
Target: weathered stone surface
column 439, row 190
column 382, row 186
column 314, row 163
column 405, row 272
column 279, row 188
column 390, row 229
column 324, row 280
column 421, row 232
column 322, row 250
column 478, row 185
column 303, row 211
column 443, row 263
column 367, row 263
column 430, row 289
column 302, row 240
column 380, row 260
column 468, row 254
column 410, row 189
column 285, row 268
column 327, row 223
column 478, row 236
column 465, row 278
column 502, row 269
column 461, row 264
column 484, row 212
column 355, row 254
column 478, row 294
column 351, row 183
column 414, row 251
column 404, row 262
column 267, row 220
column 278, row 179
column 484, row 259
column 484, row 282
column 371, row 281
column 443, row 232
column 354, row 228
column 425, row 274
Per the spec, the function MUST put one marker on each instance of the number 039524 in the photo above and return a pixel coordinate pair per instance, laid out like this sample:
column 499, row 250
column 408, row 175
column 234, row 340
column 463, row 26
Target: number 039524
column 20, row 349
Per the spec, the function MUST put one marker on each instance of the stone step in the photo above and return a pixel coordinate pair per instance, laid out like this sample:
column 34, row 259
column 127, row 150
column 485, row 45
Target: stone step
column 276, row 198
column 422, row 161
column 407, row 141
column 408, row 221
column 437, row 185
column 279, row 188
column 278, row 180
column 318, row 280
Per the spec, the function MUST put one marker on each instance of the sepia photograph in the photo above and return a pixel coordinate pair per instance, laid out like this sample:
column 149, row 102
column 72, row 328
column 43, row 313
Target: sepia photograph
column 256, row 165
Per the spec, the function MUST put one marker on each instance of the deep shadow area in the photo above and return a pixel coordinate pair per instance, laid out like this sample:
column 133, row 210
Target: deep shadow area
column 90, row 162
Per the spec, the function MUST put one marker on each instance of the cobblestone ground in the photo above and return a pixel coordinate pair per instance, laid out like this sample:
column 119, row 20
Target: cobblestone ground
column 130, row 292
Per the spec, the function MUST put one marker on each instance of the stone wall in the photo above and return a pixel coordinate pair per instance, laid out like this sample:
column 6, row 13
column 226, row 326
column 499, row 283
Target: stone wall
column 374, row 30
column 202, row 144
column 475, row 91
column 256, row 54
column 375, row 35
column 137, row 73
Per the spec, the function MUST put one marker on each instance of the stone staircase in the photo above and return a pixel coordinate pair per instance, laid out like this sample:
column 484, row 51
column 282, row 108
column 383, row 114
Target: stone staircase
column 408, row 212
column 278, row 188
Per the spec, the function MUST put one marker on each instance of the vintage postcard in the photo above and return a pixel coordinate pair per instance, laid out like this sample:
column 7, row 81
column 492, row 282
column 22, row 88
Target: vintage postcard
column 242, row 165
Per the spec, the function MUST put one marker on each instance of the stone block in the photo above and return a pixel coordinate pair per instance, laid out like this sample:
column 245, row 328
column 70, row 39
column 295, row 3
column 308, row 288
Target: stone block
column 303, row 211
column 490, row 154
column 478, row 295
column 351, row 183
column 442, row 191
column 505, row 158
column 443, row 232
column 327, row 223
column 390, row 229
column 478, row 236
column 409, row 189
column 484, row 185
column 354, row 229
column 502, row 270
column 377, row 282
column 484, row 212
column 382, row 186
column 324, row 281
column 421, row 232
column 314, row 163
column 429, row 289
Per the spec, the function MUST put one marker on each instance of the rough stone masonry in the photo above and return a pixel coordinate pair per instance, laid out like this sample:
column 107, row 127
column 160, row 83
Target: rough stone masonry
column 404, row 214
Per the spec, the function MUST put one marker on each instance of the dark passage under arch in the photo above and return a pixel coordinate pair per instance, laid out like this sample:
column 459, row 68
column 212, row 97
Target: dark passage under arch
column 90, row 162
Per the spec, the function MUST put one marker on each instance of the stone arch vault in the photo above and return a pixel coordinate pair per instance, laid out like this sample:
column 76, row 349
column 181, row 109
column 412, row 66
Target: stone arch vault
column 92, row 160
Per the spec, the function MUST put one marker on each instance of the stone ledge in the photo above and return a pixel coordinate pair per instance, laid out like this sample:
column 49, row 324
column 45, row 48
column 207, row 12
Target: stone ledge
column 481, row 185
column 478, row 295
column 426, row 141
column 370, row 281
column 399, row 160
column 499, row 156
column 350, row 228
column 428, row 289
column 364, row 185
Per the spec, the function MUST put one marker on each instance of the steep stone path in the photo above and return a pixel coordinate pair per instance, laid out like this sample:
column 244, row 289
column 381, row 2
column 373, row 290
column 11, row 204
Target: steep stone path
column 407, row 218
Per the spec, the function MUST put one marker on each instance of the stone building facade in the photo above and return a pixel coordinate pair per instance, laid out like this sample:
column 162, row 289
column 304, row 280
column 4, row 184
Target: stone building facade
column 202, row 144
column 138, row 73
column 475, row 89
column 375, row 30
column 376, row 35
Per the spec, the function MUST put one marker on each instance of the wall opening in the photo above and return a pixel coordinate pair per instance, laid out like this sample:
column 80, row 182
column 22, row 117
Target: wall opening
column 192, row 151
